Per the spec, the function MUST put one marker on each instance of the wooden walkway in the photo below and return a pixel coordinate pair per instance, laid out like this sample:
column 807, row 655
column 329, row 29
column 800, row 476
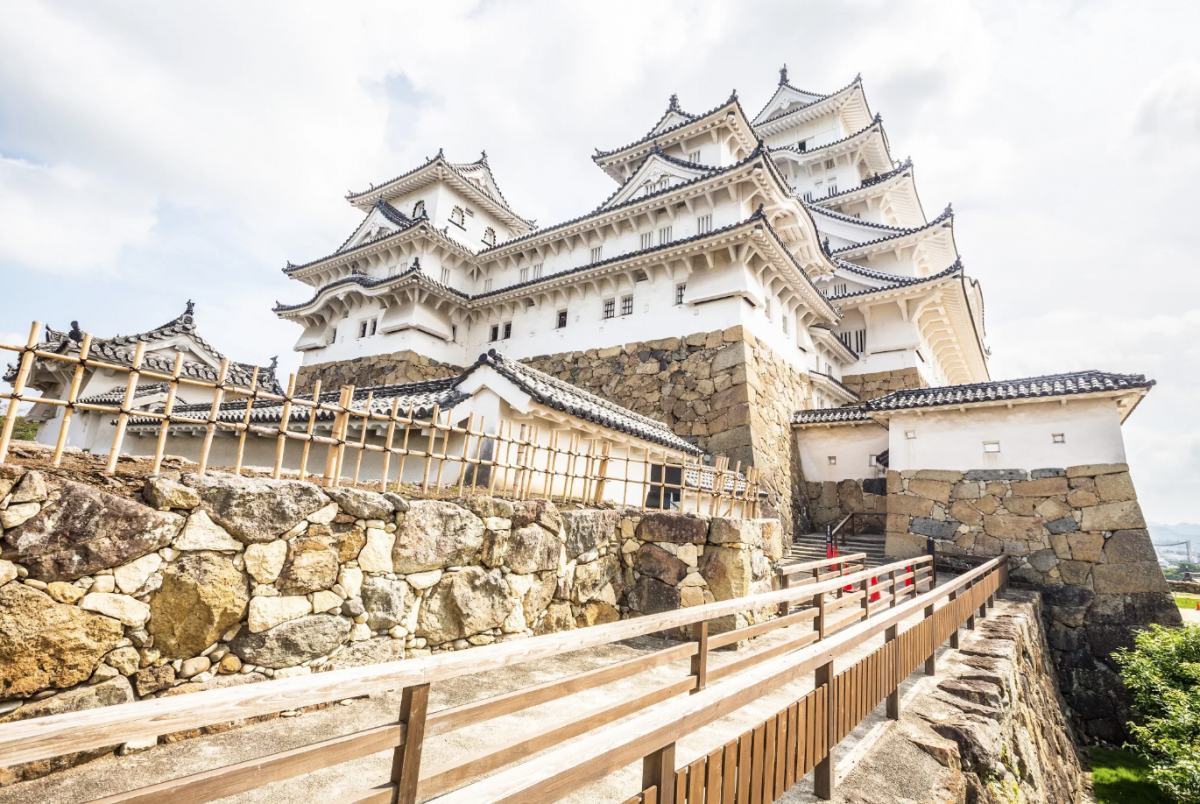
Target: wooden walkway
column 767, row 759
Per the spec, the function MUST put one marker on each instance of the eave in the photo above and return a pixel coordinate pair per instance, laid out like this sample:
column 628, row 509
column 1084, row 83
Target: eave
column 863, row 139
column 811, row 111
column 421, row 229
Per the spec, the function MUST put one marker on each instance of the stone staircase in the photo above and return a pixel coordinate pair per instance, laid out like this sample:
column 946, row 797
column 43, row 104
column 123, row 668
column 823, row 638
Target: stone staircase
column 811, row 547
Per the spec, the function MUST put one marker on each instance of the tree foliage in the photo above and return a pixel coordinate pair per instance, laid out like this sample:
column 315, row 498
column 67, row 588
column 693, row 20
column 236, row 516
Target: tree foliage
column 22, row 430
column 1163, row 673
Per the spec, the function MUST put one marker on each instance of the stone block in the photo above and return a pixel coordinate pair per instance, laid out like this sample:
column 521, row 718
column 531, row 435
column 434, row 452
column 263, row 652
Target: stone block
column 908, row 505
column 934, row 528
column 726, row 531
column 1086, row 546
column 1038, row 474
column 129, row 610
column 728, row 571
column 1020, row 506
column 996, row 474
column 936, row 490
column 1043, row 560
column 1122, row 579
column 265, row 561
column 1113, row 516
column 895, row 482
column 1052, row 508
column 1066, row 524
column 311, row 565
column 268, row 612
column 1074, row 572
column 202, row 596
column 256, row 509
column 966, row 491
column 1094, row 469
column 673, row 528
column 1129, row 546
column 1082, row 498
column 464, row 603
column 435, row 535
column 587, row 530
column 987, row 504
column 963, row 511
column 1115, row 487
column 1013, row 527
column 293, row 642
column 904, row 545
column 1045, row 487
column 942, row 475
column 650, row 596
column 658, row 563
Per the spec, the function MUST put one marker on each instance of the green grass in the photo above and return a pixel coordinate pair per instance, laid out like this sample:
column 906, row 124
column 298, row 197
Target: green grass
column 1119, row 777
column 1186, row 601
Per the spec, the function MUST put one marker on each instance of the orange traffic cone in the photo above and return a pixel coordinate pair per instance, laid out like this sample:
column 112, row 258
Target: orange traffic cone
column 874, row 595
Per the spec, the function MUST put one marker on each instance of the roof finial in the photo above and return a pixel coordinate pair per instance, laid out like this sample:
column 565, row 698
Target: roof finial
column 858, row 78
column 825, row 246
column 483, row 157
column 440, row 153
column 75, row 334
column 274, row 363
column 783, row 75
column 949, row 210
column 674, row 101
column 191, row 307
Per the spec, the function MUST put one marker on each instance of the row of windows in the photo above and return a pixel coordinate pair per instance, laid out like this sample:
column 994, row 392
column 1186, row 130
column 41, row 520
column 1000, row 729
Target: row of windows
column 856, row 340
column 458, row 218
column 608, row 310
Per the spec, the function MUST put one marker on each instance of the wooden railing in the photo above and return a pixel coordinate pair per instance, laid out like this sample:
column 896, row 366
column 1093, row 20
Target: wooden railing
column 830, row 607
column 762, row 763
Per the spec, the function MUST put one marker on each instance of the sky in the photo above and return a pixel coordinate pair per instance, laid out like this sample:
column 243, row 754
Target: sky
column 152, row 153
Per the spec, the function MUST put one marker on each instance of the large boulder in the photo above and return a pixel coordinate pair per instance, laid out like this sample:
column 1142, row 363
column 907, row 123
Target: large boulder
column 202, row 596
column 729, row 572
column 362, row 504
column 586, row 530
column 385, row 602
column 673, row 528
column 650, row 596
column 87, row 530
column 369, row 651
column 435, row 535
column 44, row 644
column 591, row 578
column 292, row 642
column 541, row 512
column 255, row 509
column 652, row 560
column 91, row 696
column 533, row 591
column 463, row 603
column 532, row 549
column 311, row 565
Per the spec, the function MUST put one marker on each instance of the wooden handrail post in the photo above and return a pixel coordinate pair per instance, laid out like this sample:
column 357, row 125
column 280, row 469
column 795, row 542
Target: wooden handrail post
column 658, row 770
column 820, row 623
column 931, row 662
column 893, row 699
column 954, row 636
column 406, row 759
column 895, row 591
column 823, row 773
column 971, row 619
column 700, row 660
column 785, row 581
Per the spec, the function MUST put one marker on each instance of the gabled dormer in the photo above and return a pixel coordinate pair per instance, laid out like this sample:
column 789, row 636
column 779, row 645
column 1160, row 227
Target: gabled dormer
column 383, row 220
column 658, row 172
column 672, row 117
column 786, row 98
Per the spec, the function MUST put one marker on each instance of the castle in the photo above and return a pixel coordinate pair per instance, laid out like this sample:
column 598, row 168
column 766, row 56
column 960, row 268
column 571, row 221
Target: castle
column 744, row 267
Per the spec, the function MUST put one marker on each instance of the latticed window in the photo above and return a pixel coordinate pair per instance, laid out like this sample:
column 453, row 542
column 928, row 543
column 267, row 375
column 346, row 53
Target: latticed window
column 562, row 319
column 524, row 277
column 647, row 240
column 495, row 334
column 679, row 291
column 704, row 224
column 626, row 305
column 489, row 236
column 694, row 156
column 487, row 285
column 664, row 235
column 456, row 216
column 537, row 271
column 597, row 252
column 445, row 276
column 507, row 330
column 610, row 308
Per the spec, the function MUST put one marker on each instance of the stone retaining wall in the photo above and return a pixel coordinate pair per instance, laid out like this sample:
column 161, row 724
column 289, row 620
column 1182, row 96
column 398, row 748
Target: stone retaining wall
column 830, row 501
column 1077, row 534
column 217, row 580
column 725, row 391
column 398, row 367
column 1186, row 587
column 880, row 383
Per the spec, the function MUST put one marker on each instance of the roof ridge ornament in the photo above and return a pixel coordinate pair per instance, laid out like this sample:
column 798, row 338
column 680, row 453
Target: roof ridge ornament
column 75, row 333
column 674, row 104
column 783, row 75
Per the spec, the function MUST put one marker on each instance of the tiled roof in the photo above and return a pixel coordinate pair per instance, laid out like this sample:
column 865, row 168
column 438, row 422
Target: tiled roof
column 119, row 350
column 422, row 396
column 563, row 396
column 877, row 121
column 370, row 282
column 708, row 170
column 672, row 106
column 1080, row 382
column 819, row 99
column 947, row 215
column 382, row 206
column 117, row 395
column 815, row 206
column 1050, row 385
column 444, row 393
column 733, row 98
column 895, row 280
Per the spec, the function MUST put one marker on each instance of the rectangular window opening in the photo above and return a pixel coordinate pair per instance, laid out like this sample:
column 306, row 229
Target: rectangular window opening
column 507, row 330
column 445, row 276
column 597, row 252
column 679, row 291
column 664, row 235
column 562, row 319
column 495, row 336
column 537, row 271
column 626, row 305
column 991, row 446
column 610, row 308
column 1058, row 438
column 647, row 241
column 704, row 224
column 524, row 275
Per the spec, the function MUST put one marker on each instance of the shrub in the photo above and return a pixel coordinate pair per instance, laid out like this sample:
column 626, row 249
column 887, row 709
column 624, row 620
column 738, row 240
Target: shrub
column 1163, row 673
column 22, row 430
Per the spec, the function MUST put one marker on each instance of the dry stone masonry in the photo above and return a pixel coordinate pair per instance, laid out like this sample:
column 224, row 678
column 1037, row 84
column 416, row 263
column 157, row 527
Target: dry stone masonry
column 881, row 383
column 220, row 580
column 1077, row 534
column 387, row 369
column 724, row 390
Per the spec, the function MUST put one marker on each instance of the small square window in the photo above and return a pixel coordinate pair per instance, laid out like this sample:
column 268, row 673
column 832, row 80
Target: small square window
column 610, row 308
column 537, row 271
column 694, row 157
column 562, row 319
column 524, row 276
column 832, row 460
column 664, row 235
column 704, row 224
column 362, row 329
column 872, row 460
column 1059, row 438
column 597, row 253
column 374, row 325
column 626, row 305
column 910, row 434
column 507, row 330
column 495, row 332
column 991, row 446
column 647, row 240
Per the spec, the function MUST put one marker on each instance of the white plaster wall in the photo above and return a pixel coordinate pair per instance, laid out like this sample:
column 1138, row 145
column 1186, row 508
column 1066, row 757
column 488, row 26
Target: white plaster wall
column 852, row 445
column 952, row 439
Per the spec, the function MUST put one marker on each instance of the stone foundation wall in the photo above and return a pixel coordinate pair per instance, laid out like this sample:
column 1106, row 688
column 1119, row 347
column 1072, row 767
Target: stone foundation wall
column 729, row 394
column 399, row 367
column 1186, row 587
column 217, row 580
column 1078, row 535
column 830, row 501
column 879, row 383
column 989, row 728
